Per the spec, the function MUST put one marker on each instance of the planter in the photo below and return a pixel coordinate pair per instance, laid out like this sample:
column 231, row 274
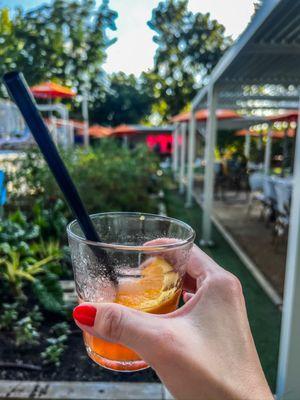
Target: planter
column 19, row 390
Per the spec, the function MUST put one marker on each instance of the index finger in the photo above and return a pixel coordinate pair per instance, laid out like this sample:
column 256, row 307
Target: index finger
column 200, row 264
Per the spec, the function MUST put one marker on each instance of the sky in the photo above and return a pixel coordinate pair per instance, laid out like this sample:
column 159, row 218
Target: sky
column 134, row 50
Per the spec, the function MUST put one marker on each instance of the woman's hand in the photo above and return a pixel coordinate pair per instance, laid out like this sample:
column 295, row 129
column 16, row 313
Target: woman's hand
column 205, row 349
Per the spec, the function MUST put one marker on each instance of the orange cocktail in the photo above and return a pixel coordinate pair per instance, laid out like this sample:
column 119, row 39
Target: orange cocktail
column 156, row 291
column 140, row 263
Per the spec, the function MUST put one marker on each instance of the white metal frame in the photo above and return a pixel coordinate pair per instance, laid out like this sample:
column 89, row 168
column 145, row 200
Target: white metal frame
column 182, row 158
column 175, row 150
column 210, row 143
column 191, row 158
column 247, row 145
column 68, row 138
column 85, row 114
column 288, row 382
column 268, row 153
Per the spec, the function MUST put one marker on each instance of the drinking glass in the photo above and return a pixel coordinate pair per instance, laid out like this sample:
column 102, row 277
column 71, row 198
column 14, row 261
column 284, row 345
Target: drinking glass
column 139, row 263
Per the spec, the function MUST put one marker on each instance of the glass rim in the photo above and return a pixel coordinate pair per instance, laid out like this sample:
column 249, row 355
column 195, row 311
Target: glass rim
column 158, row 247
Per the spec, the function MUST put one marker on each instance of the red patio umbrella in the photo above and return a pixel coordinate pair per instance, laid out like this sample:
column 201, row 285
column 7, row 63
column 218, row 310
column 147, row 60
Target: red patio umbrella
column 51, row 90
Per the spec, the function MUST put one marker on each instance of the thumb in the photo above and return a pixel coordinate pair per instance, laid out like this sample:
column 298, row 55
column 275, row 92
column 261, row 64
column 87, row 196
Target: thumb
column 119, row 324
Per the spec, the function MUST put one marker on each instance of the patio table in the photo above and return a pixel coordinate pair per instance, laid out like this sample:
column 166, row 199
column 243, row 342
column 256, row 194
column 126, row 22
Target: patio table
column 283, row 189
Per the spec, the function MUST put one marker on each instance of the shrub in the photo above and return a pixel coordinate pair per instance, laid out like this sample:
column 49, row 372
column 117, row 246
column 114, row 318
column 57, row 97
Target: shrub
column 109, row 178
column 56, row 344
column 26, row 332
column 25, row 329
column 8, row 316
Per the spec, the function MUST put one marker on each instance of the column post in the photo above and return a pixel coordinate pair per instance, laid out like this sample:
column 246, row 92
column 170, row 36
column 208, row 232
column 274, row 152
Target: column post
column 191, row 158
column 288, row 382
column 182, row 158
column 210, row 143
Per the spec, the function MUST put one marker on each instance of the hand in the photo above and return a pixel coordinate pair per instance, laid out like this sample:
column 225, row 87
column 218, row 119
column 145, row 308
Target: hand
column 205, row 349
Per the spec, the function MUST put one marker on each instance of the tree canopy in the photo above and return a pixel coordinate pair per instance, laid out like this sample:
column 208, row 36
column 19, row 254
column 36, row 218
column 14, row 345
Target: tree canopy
column 189, row 46
column 127, row 100
column 65, row 41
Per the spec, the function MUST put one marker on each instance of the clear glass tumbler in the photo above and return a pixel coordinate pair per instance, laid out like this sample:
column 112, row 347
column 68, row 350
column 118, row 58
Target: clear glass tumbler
column 139, row 263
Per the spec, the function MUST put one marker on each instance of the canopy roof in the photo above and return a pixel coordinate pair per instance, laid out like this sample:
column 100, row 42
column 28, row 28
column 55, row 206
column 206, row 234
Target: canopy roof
column 275, row 134
column 51, row 90
column 268, row 54
column 287, row 116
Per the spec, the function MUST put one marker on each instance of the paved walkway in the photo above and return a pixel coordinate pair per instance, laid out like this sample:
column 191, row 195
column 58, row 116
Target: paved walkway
column 253, row 236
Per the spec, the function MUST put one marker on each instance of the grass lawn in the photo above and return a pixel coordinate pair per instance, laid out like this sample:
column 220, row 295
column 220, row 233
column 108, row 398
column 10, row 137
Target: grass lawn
column 263, row 315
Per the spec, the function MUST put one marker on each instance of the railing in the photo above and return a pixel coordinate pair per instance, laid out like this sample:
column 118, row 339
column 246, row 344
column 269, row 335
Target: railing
column 13, row 130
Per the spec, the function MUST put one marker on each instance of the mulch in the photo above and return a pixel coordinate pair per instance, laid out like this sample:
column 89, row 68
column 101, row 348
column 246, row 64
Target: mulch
column 75, row 363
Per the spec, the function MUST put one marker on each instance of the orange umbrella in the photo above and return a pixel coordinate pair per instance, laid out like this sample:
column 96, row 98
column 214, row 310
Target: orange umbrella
column 202, row 115
column 98, row 131
column 281, row 134
column 51, row 90
column 123, row 130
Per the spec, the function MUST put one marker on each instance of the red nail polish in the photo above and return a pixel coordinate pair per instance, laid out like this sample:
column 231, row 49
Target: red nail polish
column 85, row 314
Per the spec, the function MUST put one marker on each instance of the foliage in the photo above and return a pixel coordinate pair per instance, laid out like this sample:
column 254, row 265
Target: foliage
column 56, row 344
column 16, row 230
column 25, row 329
column 127, row 100
column 61, row 328
column 228, row 143
column 189, row 46
column 48, row 292
column 25, row 332
column 124, row 181
column 8, row 316
column 52, row 219
column 43, row 249
column 17, row 268
column 54, row 41
column 108, row 177
column 53, row 352
column 31, row 265
column 32, row 251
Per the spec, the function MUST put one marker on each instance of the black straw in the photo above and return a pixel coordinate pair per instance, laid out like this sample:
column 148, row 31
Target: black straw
column 20, row 93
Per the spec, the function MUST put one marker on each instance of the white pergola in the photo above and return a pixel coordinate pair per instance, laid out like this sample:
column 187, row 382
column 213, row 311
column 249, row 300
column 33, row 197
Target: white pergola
column 260, row 71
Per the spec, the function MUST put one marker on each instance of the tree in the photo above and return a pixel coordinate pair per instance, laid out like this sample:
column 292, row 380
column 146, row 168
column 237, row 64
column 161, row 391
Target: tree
column 126, row 100
column 64, row 41
column 189, row 46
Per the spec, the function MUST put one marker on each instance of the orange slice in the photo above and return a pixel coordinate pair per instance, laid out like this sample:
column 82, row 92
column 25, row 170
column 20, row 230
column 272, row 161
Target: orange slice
column 158, row 283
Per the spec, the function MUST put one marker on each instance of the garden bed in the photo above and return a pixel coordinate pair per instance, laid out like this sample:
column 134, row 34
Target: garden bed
column 75, row 364
column 38, row 338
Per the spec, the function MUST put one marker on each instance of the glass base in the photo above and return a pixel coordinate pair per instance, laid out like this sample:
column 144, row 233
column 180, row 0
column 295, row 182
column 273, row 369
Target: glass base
column 122, row 366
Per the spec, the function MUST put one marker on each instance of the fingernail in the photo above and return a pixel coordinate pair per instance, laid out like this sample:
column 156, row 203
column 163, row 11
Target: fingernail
column 85, row 314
